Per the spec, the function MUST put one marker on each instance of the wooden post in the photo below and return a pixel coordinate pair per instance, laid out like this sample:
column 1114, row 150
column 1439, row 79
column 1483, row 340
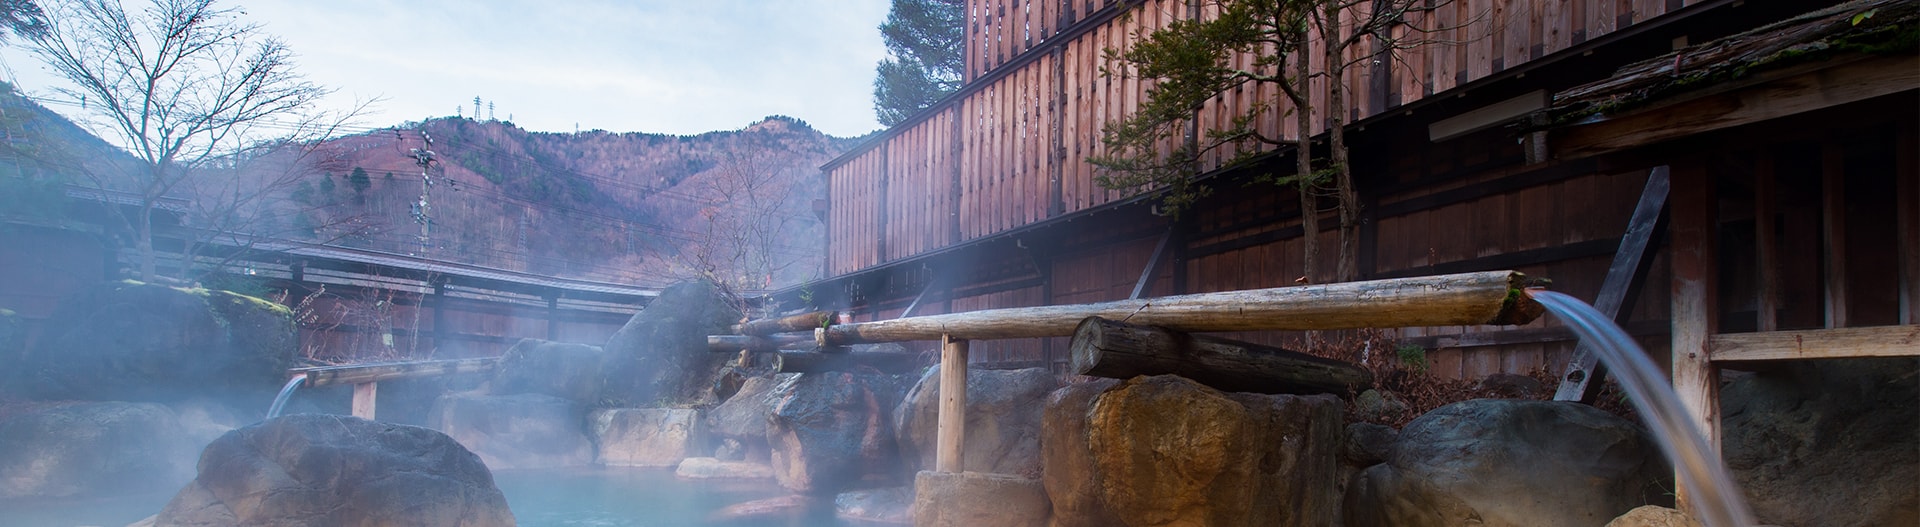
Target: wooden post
column 363, row 397
column 1766, row 245
column 1581, row 381
column 439, row 316
column 1907, row 172
column 1144, row 286
column 553, row 316
column 1694, row 217
column 953, row 405
column 1116, row 350
column 1833, row 215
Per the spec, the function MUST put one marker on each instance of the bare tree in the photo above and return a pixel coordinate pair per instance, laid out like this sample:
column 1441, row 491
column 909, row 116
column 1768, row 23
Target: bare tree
column 751, row 207
column 180, row 84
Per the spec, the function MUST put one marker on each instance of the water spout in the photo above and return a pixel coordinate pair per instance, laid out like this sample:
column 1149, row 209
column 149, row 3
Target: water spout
column 1718, row 502
column 286, row 392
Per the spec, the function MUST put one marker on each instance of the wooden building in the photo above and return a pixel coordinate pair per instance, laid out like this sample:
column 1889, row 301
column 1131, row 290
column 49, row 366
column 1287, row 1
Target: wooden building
column 1539, row 136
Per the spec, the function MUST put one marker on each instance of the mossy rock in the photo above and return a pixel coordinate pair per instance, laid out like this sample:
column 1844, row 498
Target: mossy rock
column 143, row 342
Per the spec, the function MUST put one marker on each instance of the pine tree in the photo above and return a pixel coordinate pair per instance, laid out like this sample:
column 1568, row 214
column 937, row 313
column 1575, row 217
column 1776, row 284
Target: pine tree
column 359, row 181
column 924, row 40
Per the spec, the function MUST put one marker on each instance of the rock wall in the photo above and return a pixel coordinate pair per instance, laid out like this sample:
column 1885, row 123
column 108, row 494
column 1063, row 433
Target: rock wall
column 1003, row 420
column 1829, row 442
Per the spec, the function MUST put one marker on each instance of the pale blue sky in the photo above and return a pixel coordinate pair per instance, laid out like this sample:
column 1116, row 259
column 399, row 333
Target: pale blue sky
column 680, row 67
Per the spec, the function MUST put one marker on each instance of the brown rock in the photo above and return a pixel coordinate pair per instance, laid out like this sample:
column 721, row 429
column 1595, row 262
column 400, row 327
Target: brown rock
column 1654, row 516
column 645, row 437
column 1165, row 450
column 1003, row 420
column 967, row 499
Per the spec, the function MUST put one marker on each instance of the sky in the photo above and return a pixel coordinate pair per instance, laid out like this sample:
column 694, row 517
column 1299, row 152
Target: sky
column 658, row 66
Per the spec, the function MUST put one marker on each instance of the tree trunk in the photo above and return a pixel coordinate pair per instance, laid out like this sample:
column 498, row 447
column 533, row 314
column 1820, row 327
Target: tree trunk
column 1303, row 161
column 1490, row 297
column 143, row 240
column 800, row 322
column 1116, row 350
column 1348, row 203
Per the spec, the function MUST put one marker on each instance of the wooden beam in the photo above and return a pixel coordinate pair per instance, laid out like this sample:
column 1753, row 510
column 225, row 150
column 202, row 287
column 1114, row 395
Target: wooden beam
column 1804, row 92
column 1642, row 328
column 1693, row 220
column 1145, row 284
column 1874, row 341
column 363, row 399
column 1581, row 380
column 1766, row 245
column 1117, row 350
column 1451, row 300
column 1833, row 235
column 366, row 373
column 787, row 324
column 1907, row 173
column 1487, row 116
column 759, row 344
column 951, row 431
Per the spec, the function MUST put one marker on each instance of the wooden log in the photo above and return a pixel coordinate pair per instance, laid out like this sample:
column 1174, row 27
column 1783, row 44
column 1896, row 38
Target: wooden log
column 760, row 344
column 1105, row 348
column 365, row 373
column 953, row 405
column 1490, row 297
column 815, row 362
column 363, row 399
column 786, row 324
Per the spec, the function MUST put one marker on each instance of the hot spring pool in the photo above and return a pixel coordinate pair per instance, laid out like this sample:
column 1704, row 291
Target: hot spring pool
column 577, row 497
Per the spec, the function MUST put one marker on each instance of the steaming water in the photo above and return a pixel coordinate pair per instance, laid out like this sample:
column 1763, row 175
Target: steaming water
column 628, row 497
column 1717, row 501
column 286, row 392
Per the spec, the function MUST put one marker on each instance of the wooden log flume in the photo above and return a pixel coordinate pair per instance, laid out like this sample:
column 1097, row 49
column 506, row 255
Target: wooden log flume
column 1105, row 348
column 787, row 324
column 367, row 373
column 733, row 343
column 1491, row 297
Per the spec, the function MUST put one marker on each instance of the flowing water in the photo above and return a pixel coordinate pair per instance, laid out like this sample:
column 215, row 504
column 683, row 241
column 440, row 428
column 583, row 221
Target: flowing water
column 286, row 392
column 1716, row 500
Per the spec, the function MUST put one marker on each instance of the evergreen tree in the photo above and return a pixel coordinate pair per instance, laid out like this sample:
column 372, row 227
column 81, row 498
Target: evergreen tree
column 925, row 40
column 326, row 186
column 360, row 181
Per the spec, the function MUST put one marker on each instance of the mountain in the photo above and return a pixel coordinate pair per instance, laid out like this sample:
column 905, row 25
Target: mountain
column 629, row 207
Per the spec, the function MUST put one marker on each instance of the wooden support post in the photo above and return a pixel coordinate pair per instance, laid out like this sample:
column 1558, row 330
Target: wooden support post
column 915, row 304
column 1766, row 246
column 1144, row 285
column 1694, row 218
column 553, row 316
column 1117, row 350
column 439, row 315
column 1907, row 172
column 363, row 398
column 1833, row 216
column 953, row 405
column 1582, row 380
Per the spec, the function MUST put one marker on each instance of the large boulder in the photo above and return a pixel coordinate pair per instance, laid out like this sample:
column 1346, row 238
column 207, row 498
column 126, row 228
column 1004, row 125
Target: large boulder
column 141, row 342
column 328, row 470
column 966, row 499
column 516, row 431
column 660, row 357
column 743, row 417
column 828, row 430
column 1829, row 442
column 1502, row 462
column 569, row 371
column 93, row 449
column 1003, row 420
column 1164, row 450
column 646, row 437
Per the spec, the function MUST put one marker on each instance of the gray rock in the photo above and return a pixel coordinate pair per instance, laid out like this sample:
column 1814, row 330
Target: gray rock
column 93, row 449
column 967, row 499
column 336, row 470
column 1003, row 420
column 1828, row 442
column 1513, row 386
column 828, row 430
column 1654, row 516
column 1368, row 444
column 569, row 371
column 1378, row 405
column 770, row 511
column 129, row 341
column 711, row 468
column 1164, row 450
column 884, row 505
column 516, row 431
column 1503, row 462
column 646, row 437
column 743, row 417
column 660, row 357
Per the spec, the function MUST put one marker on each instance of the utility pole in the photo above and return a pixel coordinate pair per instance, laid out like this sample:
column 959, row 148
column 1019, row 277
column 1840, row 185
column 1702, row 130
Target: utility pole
column 423, row 156
column 490, row 111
